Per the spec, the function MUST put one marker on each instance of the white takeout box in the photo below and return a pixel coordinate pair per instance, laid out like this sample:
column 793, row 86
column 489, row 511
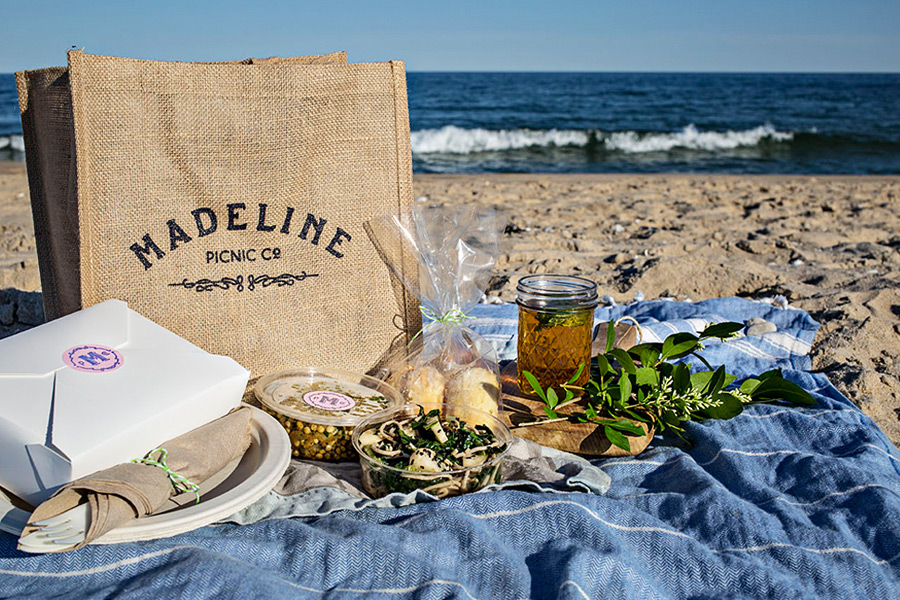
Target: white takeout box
column 60, row 422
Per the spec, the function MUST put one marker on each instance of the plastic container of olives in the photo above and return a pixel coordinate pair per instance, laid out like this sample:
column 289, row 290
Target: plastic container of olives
column 320, row 407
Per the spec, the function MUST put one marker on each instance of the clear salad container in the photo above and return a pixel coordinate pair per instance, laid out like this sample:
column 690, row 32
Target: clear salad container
column 320, row 407
column 461, row 465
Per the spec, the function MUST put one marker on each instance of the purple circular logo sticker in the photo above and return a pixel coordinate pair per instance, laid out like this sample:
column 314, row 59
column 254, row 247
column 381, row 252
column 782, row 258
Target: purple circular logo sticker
column 328, row 400
column 92, row 358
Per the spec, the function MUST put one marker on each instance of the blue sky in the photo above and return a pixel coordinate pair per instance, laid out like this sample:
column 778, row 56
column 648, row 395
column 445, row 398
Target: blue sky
column 486, row 35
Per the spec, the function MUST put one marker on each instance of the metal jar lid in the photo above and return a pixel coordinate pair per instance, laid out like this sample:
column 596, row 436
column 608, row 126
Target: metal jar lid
column 549, row 292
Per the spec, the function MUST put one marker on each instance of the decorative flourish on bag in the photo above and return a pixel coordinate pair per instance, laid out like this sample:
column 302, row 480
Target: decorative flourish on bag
column 205, row 285
column 226, row 283
column 279, row 281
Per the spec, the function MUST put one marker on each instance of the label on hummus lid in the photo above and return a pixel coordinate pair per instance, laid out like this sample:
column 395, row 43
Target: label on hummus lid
column 329, row 400
column 327, row 397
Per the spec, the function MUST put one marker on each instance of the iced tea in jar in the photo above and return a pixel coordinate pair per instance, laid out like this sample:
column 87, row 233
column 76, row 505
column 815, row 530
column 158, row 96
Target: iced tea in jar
column 556, row 319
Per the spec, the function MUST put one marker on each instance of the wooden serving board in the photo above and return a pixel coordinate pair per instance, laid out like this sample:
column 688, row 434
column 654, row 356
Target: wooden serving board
column 579, row 438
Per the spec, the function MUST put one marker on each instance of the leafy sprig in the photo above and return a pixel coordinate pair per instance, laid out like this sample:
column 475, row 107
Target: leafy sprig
column 646, row 385
column 568, row 318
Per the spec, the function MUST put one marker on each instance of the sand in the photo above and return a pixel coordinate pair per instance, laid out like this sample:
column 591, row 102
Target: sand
column 829, row 245
column 18, row 260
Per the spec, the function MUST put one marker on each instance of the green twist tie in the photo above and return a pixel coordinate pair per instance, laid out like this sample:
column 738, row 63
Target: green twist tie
column 454, row 315
column 179, row 482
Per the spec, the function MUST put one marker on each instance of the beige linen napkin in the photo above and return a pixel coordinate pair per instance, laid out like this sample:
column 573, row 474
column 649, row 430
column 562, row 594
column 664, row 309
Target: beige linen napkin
column 132, row 490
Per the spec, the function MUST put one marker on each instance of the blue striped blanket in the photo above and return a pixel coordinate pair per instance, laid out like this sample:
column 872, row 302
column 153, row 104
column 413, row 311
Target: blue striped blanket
column 777, row 503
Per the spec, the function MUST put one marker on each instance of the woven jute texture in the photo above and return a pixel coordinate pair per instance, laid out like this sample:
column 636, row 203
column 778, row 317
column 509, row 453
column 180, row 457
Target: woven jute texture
column 332, row 58
column 50, row 148
column 225, row 201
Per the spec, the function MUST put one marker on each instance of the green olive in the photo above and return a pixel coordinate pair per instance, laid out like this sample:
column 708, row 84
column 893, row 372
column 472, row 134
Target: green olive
column 318, row 442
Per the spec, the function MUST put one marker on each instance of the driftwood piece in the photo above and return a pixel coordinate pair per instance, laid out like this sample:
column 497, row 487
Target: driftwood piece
column 580, row 438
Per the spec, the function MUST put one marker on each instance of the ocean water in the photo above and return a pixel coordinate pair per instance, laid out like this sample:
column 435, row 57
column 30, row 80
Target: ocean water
column 634, row 122
column 11, row 145
column 655, row 122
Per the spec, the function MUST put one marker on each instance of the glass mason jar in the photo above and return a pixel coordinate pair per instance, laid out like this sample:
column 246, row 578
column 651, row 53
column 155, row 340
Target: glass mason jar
column 556, row 319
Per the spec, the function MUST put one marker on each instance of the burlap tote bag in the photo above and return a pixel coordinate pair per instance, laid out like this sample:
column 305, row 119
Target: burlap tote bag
column 225, row 201
column 45, row 101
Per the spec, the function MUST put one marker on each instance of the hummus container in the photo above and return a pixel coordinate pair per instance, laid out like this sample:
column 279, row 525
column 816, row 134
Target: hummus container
column 320, row 407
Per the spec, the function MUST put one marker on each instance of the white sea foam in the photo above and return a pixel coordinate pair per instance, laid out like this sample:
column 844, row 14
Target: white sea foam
column 457, row 140
column 14, row 141
column 692, row 139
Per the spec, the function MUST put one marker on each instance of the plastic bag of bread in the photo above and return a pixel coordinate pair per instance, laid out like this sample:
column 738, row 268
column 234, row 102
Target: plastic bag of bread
column 452, row 250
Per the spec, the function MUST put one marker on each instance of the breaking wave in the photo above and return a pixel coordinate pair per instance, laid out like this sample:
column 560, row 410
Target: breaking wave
column 14, row 142
column 690, row 138
column 456, row 140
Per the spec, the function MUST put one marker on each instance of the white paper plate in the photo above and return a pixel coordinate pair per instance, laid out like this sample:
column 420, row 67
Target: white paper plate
column 238, row 485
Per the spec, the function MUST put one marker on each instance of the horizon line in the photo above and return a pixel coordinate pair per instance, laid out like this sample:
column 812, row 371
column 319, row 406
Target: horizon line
column 617, row 71
column 664, row 72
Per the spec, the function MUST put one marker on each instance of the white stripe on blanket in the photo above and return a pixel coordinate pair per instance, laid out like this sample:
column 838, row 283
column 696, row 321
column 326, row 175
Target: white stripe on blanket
column 796, row 412
column 540, row 505
column 150, row 555
column 813, row 550
column 668, row 532
column 788, row 343
column 749, row 349
column 831, row 495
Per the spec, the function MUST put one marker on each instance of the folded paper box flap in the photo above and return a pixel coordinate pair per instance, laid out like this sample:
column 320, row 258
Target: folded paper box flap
column 30, row 361
column 152, row 381
column 103, row 386
column 30, row 417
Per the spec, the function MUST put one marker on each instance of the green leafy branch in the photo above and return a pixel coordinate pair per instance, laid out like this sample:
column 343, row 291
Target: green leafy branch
column 647, row 384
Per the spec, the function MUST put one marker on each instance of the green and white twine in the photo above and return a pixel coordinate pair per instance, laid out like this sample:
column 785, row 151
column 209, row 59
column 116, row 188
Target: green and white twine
column 454, row 315
column 179, row 482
